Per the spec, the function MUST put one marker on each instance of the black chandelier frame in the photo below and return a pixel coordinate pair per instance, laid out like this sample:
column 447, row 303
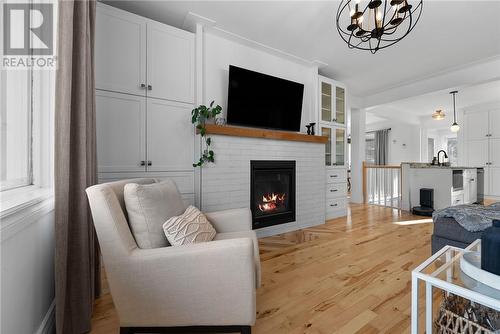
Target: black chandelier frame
column 389, row 25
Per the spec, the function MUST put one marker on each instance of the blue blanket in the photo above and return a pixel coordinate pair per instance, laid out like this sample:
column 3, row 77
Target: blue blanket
column 473, row 217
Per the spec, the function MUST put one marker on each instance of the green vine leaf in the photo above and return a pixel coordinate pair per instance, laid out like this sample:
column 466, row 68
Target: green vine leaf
column 199, row 116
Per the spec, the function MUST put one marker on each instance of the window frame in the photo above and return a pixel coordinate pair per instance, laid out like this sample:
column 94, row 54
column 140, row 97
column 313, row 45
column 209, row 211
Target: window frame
column 18, row 202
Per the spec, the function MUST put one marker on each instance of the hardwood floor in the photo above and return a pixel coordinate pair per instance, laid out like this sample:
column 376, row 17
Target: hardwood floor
column 351, row 275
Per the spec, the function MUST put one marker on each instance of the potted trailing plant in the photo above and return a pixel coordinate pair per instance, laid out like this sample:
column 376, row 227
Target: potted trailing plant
column 199, row 117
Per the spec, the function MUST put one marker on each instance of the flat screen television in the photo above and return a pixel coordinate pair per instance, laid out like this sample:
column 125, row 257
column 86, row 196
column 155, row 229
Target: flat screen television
column 263, row 101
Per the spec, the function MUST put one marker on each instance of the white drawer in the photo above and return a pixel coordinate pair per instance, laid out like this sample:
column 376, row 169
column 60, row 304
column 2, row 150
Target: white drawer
column 336, row 190
column 336, row 176
column 457, row 199
column 334, row 204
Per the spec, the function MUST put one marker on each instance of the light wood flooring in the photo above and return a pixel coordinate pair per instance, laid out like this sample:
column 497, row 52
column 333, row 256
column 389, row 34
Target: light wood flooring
column 351, row 275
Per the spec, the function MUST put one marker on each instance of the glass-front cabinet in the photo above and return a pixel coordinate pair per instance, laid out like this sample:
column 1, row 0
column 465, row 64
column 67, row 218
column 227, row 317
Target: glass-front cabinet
column 335, row 147
column 332, row 119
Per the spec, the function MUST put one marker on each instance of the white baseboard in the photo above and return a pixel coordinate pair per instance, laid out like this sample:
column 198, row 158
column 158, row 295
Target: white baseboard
column 48, row 325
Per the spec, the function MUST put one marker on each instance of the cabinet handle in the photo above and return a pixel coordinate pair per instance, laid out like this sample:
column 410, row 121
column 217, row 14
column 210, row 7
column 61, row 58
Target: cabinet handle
column 150, row 162
column 143, row 86
column 334, row 204
column 333, row 190
column 334, row 175
column 143, row 163
column 150, row 87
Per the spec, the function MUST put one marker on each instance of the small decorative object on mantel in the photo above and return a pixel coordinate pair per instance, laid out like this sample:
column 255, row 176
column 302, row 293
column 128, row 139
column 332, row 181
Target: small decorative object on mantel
column 490, row 249
column 199, row 117
column 220, row 121
column 312, row 128
column 308, row 129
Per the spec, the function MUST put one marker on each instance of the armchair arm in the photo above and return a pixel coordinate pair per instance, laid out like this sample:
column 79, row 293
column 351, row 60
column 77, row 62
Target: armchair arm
column 233, row 220
column 210, row 283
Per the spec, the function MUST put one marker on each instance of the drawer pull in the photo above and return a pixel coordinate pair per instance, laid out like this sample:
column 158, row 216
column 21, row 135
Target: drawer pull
column 334, row 175
column 334, row 204
column 333, row 190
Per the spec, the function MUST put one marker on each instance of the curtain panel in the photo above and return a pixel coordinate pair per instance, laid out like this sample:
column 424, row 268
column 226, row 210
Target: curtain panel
column 382, row 147
column 76, row 250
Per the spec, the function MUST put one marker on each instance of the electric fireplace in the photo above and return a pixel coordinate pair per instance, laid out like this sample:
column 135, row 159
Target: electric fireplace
column 272, row 192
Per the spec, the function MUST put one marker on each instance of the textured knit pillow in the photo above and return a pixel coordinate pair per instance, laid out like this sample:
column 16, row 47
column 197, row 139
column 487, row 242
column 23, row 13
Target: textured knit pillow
column 189, row 228
column 148, row 207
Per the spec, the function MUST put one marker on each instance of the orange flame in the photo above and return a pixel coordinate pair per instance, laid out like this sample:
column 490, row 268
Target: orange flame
column 271, row 202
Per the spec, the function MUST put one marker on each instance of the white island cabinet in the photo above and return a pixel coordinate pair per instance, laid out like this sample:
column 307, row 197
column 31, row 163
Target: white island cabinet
column 451, row 185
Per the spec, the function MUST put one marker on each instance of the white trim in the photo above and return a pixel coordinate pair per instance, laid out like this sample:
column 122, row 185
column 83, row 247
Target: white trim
column 25, row 214
column 48, row 325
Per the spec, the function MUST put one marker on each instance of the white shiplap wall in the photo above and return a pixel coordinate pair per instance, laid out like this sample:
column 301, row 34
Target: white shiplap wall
column 226, row 184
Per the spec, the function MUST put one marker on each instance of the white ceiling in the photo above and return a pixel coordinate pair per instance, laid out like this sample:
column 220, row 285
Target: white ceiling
column 416, row 108
column 450, row 34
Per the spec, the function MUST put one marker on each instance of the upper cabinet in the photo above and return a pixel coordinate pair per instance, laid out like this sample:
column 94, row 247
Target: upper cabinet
column 135, row 55
column 477, row 125
column 120, row 51
column 332, row 102
column 170, row 63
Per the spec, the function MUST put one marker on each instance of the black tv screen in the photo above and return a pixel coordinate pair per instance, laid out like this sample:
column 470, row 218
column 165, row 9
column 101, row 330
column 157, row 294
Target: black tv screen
column 263, row 101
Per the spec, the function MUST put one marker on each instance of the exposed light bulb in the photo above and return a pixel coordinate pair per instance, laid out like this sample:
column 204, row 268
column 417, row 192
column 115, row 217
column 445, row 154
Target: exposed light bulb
column 455, row 127
column 360, row 19
column 352, row 12
column 378, row 16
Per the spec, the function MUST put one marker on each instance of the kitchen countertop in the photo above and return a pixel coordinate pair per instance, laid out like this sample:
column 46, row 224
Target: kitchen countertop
column 427, row 165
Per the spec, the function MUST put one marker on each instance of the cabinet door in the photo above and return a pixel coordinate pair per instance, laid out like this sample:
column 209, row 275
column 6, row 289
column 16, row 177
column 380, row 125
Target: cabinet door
column 339, row 147
column 170, row 137
column 477, row 125
column 339, row 105
column 120, row 51
column 326, row 101
column 170, row 63
column 494, row 121
column 494, row 158
column 120, row 130
column 494, row 181
column 478, row 153
column 326, row 131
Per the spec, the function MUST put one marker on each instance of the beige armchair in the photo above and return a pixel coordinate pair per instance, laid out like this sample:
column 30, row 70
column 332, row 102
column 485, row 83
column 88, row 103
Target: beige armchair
column 205, row 287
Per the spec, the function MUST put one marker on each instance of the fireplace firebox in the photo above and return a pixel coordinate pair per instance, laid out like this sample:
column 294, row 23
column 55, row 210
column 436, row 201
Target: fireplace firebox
column 272, row 192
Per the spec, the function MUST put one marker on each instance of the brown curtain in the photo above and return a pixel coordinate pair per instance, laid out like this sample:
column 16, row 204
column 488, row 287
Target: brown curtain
column 76, row 253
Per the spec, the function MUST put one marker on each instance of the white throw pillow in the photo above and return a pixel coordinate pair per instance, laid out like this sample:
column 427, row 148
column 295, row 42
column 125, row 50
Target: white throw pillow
column 148, row 207
column 189, row 228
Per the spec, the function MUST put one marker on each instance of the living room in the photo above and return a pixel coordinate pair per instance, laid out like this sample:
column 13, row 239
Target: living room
column 250, row 167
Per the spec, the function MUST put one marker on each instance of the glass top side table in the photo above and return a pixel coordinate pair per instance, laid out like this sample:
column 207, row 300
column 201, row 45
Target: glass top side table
column 442, row 271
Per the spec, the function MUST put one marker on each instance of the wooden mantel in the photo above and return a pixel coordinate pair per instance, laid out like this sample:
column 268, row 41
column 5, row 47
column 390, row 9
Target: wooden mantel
column 237, row 131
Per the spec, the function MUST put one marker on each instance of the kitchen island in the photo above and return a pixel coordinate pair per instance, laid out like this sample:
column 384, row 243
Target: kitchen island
column 453, row 185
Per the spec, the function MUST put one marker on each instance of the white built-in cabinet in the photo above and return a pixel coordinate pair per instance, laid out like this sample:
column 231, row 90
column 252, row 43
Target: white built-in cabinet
column 482, row 133
column 332, row 115
column 144, row 97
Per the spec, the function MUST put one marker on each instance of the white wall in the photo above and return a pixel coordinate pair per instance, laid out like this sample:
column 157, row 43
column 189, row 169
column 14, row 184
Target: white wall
column 27, row 274
column 220, row 52
column 404, row 140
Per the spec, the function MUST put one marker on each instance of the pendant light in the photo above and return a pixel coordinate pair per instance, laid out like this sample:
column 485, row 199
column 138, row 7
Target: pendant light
column 377, row 24
column 454, row 127
column 438, row 115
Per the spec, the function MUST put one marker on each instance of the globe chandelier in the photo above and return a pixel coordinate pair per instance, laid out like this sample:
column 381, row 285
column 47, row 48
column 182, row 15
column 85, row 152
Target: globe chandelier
column 376, row 24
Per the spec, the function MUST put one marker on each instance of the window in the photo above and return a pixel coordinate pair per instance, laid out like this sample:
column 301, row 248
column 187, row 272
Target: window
column 451, row 144
column 370, row 148
column 16, row 117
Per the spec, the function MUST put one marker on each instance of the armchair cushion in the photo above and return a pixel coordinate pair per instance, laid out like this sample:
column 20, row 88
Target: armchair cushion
column 189, row 228
column 148, row 207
